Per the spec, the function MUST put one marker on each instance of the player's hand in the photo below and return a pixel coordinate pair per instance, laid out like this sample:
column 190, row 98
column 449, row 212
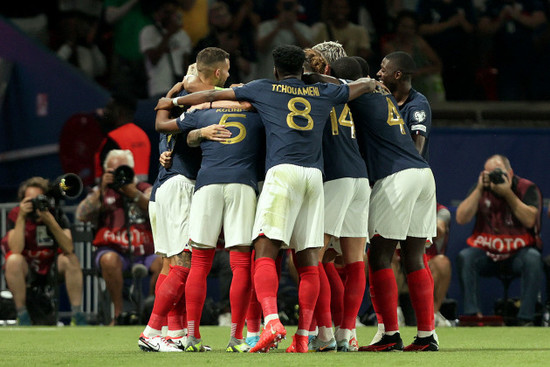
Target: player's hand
column 381, row 87
column 215, row 132
column 165, row 159
column 178, row 87
column 164, row 104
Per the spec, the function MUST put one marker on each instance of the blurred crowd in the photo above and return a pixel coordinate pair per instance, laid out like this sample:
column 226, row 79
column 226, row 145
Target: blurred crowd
column 464, row 49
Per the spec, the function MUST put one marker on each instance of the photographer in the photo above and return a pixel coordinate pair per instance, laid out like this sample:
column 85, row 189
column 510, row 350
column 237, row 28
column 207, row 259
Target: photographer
column 118, row 205
column 505, row 237
column 34, row 235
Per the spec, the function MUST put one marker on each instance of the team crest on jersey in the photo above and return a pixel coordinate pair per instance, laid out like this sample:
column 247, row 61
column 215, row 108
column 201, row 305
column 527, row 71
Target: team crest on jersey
column 420, row 116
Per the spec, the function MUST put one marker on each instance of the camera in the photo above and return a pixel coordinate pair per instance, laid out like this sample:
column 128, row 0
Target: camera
column 123, row 175
column 496, row 176
column 41, row 203
column 65, row 186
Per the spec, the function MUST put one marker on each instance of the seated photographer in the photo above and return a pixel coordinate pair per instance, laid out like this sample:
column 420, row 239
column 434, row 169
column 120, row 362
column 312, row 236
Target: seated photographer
column 34, row 238
column 505, row 237
column 118, row 197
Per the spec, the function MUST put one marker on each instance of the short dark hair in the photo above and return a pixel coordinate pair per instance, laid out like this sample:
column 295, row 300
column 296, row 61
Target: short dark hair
column 208, row 58
column 364, row 65
column 402, row 61
column 289, row 59
column 346, row 68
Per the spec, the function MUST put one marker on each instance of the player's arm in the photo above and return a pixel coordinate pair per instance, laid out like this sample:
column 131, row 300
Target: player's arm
column 213, row 132
column 419, row 142
column 196, row 98
column 163, row 122
column 247, row 106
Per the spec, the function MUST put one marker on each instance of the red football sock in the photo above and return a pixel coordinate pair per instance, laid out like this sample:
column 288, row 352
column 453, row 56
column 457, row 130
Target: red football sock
column 254, row 312
column 266, row 284
column 176, row 316
column 353, row 293
column 373, row 298
column 159, row 282
column 385, row 290
column 322, row 308
column 239, row 293
column 427, row 267
column 336, row 293
column 422, row 298
column 195, row 289
column 308, row 292
column 167, row 297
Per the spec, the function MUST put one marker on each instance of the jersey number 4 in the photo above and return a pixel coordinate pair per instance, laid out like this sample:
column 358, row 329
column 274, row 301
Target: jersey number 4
column 343, row 120
column 394, row 118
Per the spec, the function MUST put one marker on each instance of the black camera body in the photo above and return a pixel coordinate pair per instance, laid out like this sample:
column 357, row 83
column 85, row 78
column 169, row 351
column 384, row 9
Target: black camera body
column 41, row 203
column 496, row 176
column 123, row 175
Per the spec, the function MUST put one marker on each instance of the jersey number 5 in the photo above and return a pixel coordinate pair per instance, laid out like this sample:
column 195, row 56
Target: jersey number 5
column 294, row 111
column 242, row 130
column 394, row 118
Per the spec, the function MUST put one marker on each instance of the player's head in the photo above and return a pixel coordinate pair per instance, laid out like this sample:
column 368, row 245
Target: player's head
column 397, row 67
column 346, row 68
column 365, row 69
column 213, row 64
column 288, row 61
column 331, row 50
column 315, row 62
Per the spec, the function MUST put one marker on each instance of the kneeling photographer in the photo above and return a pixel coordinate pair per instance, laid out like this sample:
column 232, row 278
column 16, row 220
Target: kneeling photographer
column 505, row 240
column 38, row 233
column 118, row 206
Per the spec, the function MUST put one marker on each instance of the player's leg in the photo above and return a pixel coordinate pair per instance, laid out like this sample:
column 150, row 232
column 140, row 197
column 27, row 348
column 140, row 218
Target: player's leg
column 254, row 311
column 324, row 338
column 353, row 249
column 177, row 316
column 204, row 229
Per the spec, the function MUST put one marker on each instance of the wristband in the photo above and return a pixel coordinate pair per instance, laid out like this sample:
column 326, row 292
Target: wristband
column 210, row 104
column 175, row 101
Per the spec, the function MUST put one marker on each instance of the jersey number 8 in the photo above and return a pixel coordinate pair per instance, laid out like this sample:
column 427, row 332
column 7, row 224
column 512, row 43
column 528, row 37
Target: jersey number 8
column 294, row 111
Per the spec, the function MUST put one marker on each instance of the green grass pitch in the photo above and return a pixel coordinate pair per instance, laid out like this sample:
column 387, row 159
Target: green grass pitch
column 117, row 346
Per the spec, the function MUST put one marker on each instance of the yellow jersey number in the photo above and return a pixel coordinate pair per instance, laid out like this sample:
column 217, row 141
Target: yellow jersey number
column 343, row 120
column 294, row 111
column 394, row 118
column 242, row 130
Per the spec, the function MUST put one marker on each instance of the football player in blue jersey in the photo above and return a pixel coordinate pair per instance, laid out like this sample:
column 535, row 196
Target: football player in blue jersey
column 346, row 193
column 290, row 208
column 395, row 72
column 170, row 204
column 402, row 210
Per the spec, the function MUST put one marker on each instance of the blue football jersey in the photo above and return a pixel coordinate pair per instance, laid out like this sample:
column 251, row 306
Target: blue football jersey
column 383, row 136
column 341, row 154
column 294, row 115
column 417, row 114
column 236, row 159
